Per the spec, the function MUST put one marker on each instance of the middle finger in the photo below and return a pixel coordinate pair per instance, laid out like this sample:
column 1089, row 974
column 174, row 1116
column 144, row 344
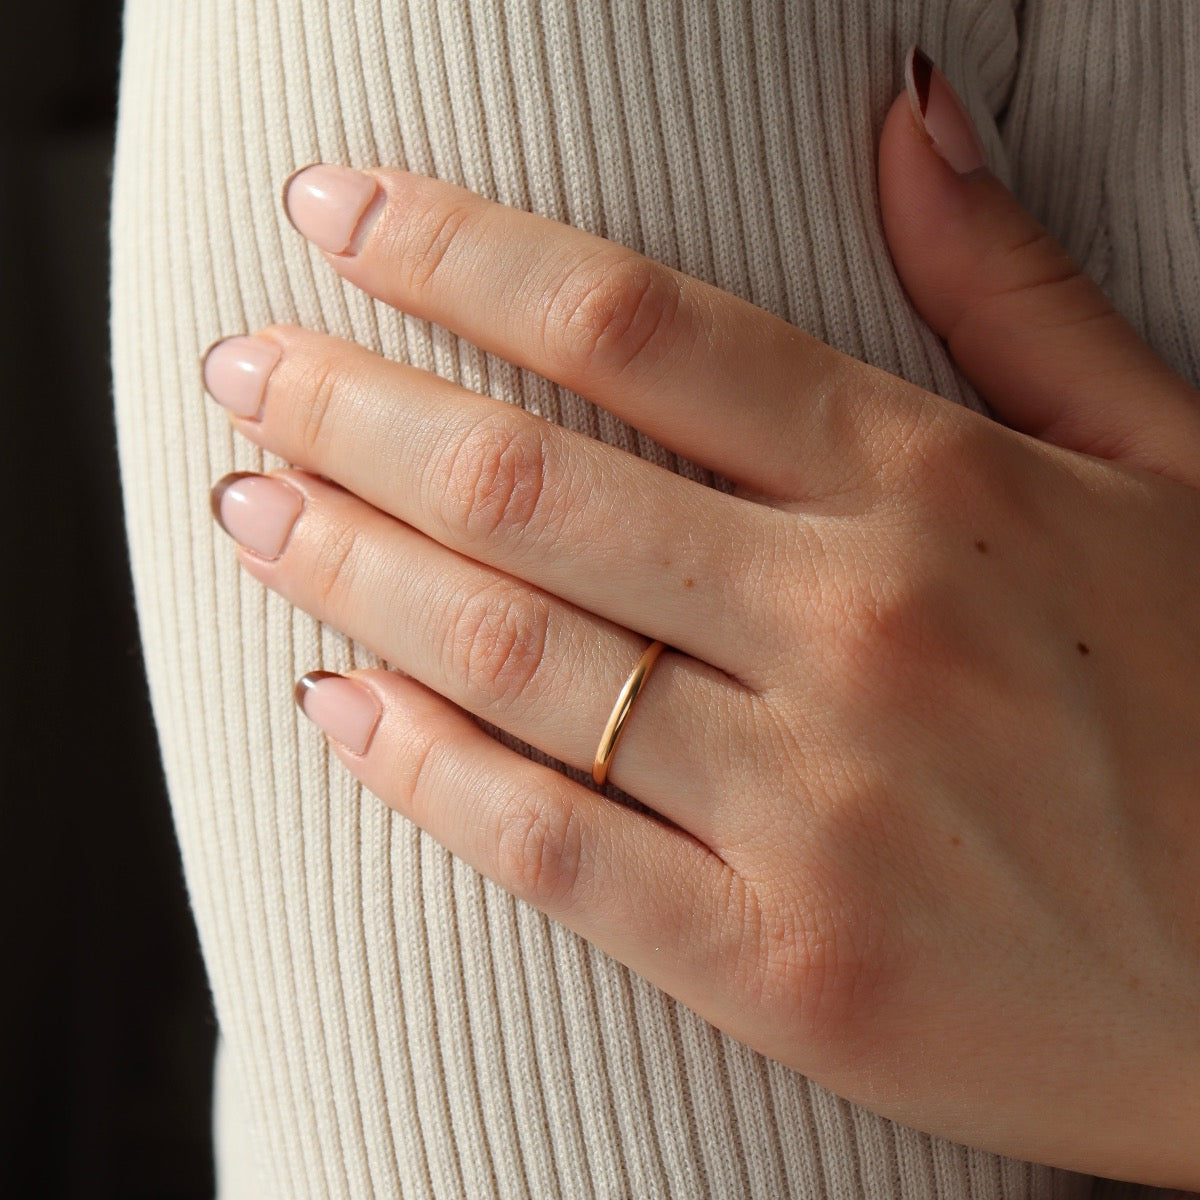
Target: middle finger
column 601, row 528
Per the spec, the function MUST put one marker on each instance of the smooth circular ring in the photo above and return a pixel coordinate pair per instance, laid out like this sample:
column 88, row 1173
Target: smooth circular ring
column 622, row 709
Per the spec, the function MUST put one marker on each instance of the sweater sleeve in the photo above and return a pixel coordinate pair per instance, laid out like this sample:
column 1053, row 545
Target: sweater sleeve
column 392, row 1023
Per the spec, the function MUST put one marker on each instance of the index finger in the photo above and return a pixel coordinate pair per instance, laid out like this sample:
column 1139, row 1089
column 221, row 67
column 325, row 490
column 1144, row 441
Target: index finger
column 715, row 378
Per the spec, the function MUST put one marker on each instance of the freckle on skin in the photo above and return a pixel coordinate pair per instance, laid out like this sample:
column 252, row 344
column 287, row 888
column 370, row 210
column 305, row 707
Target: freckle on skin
column 955, row 840
column 1083, row 648
column 689, row 583
column 981, row 546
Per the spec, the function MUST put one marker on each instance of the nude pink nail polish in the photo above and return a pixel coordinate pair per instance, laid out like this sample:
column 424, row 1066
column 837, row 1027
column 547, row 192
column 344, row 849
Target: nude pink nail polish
column 258, row 512
column 334, row 207
column 942, row 115
column 343, row 709
column 236, row 370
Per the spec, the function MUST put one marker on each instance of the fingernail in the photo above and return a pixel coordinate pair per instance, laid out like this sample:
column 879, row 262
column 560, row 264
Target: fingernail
column 235, row 373
column 334, row 207
column 341, row 708
column 258, row 512
column 942, row 115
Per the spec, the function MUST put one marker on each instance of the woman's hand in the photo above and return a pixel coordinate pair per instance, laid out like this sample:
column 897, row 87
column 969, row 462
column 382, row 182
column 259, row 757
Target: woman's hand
column 927, row 735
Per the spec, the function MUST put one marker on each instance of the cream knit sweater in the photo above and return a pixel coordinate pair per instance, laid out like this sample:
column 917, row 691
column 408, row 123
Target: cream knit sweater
column 394, row 1025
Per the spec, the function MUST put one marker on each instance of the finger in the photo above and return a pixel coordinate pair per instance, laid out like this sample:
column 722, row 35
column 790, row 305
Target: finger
column 704, row 372
column 649, row 895
column 603, row 529
column 539, row 668
column 1037, row 337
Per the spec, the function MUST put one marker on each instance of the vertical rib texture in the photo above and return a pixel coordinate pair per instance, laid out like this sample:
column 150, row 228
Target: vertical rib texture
column 393, row 1024
column 1104, row 135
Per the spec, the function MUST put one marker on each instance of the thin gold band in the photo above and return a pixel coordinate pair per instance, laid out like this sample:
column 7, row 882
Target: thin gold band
column 622, row 709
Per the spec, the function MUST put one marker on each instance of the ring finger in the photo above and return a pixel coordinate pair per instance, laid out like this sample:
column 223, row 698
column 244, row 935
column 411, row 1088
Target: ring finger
column 599, row 527
column 523, row 659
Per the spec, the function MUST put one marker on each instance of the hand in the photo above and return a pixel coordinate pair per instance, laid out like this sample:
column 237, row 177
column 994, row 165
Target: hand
column 926, row 738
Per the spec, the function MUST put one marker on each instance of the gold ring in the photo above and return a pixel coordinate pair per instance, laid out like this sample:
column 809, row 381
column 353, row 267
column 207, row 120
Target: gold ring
column 622, row 709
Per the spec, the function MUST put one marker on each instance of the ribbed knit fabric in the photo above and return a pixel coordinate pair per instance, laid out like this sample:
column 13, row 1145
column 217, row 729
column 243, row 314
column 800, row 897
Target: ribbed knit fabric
column 394, row 1025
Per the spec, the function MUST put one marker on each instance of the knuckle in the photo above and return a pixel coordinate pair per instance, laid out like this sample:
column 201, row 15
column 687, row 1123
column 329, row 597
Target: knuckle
column 883, row 627
column 539, row 848
column 741, row 927
column 949, row 468
column 1018, row 273
column 493, row 481
column 933, row 465
column 335, row 565
column 610, row 311
column 428, row 237
column 496, row 642
column 826, row 977
column 319, row 390
column 912, row 446
column 878, row 638
column 418, row 771
column 1034, row 261
column 842, row 408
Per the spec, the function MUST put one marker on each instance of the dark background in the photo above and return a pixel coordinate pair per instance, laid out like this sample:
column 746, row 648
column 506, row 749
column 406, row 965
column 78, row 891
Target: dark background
column 107, row 1023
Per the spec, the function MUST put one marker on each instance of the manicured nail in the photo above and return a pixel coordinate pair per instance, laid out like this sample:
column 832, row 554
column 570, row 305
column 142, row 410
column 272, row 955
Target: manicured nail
column 942, row 115
column 343, row 709
column 236, row 370
column 334, row 207
column 258, row 512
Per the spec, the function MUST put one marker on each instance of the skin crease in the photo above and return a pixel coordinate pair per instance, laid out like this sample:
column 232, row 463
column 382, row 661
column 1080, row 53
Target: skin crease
column 925, row 741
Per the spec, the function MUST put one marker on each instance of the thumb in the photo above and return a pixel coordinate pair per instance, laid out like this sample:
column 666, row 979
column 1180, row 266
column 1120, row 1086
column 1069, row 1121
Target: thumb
column 1034, row 334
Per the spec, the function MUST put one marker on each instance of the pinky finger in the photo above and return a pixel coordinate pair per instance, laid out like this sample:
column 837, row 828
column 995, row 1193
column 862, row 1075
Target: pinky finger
column 647, row 893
